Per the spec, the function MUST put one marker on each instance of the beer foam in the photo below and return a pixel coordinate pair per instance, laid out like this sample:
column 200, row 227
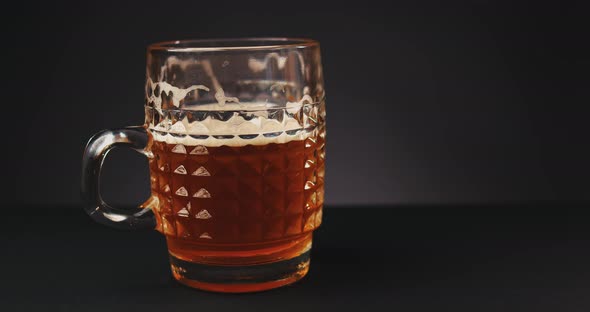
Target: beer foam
column 228, row 121
column 261, row 126
column 178, row 94
column 235, row 141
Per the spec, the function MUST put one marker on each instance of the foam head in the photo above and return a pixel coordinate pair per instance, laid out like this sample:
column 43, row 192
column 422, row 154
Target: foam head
column 231, row 124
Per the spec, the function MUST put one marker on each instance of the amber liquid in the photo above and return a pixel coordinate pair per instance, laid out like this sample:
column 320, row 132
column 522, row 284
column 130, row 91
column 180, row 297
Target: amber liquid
column 243, row 205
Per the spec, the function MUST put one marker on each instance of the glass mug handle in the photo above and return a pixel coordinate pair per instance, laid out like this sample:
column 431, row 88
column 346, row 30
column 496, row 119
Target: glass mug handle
column 94, row 155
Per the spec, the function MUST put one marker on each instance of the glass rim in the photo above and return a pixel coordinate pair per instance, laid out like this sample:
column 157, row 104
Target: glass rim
column 233, row 44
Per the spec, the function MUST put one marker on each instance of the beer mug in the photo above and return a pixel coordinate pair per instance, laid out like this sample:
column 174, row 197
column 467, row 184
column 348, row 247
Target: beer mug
column 235, row 136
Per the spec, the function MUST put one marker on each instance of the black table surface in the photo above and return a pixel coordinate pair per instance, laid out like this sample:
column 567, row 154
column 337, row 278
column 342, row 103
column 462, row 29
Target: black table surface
column 519, row 257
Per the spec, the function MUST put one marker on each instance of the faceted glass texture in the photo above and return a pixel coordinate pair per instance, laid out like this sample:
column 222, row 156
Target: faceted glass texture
column 240, row 194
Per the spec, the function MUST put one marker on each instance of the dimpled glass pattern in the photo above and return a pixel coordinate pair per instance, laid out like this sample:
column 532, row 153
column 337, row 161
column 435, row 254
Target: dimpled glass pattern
column 246, row 194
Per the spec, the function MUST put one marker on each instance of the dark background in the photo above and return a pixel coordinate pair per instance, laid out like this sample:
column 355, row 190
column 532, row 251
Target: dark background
column 452, row 113
column 428, row 102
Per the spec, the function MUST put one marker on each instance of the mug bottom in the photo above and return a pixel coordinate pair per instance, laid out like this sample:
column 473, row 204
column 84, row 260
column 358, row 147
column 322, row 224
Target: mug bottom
column 239, row 269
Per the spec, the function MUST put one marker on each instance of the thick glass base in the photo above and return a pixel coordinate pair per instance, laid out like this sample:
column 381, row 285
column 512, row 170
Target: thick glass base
column 238, row 279
column 240, row 268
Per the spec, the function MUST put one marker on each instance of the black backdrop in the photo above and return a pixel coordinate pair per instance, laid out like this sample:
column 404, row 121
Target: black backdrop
column 428, row 102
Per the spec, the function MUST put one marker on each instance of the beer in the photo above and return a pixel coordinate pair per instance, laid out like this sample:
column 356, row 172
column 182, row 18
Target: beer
column 238, row 200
